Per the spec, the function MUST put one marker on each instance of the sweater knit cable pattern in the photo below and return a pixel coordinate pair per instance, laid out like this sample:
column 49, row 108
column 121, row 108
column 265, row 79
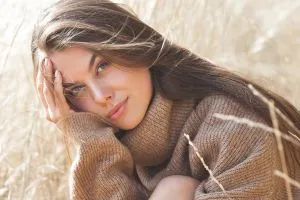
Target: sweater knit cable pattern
column 241, row 158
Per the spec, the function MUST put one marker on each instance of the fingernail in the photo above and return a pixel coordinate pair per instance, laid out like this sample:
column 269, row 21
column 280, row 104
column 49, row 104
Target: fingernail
column 46, row 62
column 56, row 73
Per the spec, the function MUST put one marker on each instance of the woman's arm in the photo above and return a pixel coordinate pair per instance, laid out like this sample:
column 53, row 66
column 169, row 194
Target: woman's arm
column 103, row 168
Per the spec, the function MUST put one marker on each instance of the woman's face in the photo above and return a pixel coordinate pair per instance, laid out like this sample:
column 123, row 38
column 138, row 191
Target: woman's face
column 100, row 85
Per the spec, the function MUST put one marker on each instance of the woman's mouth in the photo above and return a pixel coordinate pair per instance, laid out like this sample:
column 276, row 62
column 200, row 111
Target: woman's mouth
column 119, row 110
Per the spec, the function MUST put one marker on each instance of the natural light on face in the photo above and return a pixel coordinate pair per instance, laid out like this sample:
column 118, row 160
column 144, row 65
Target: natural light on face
column 95, row 85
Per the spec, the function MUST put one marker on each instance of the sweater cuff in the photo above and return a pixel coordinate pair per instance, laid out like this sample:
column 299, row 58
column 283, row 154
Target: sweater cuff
column 83, row 126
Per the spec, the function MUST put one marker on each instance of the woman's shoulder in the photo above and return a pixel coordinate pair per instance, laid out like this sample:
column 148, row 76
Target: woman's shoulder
column 226, row 107
column 231, row 126
column 227, row 118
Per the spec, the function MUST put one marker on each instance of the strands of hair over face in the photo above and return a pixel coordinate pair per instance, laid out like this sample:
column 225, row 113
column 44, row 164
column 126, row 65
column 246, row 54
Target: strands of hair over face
column 119, row 35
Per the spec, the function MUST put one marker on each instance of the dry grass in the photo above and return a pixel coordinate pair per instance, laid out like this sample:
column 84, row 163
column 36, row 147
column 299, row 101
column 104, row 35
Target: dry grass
column 258, row 39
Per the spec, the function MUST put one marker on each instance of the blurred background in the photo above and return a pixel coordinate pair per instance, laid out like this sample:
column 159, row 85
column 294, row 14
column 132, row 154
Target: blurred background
column 257, row 39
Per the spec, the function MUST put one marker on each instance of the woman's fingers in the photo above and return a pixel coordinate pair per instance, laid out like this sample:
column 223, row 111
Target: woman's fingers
column 58, row 89
column 49, row 100
column 40, row 85
column 59, row 97
column 48, row 75
column 48, row 90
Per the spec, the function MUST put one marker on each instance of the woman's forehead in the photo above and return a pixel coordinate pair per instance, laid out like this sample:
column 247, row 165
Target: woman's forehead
column 73, row 63
column 72, row 58
column 71, row 52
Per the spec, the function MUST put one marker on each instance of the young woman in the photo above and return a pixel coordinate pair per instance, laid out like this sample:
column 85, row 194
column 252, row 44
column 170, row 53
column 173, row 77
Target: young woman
column 131, row 99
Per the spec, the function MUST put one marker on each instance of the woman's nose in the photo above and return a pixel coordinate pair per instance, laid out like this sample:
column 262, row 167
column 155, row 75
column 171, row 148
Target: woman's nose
column 100, row 95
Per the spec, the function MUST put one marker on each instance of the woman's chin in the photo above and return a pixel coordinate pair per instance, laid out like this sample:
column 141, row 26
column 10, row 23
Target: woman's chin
column 130, row 124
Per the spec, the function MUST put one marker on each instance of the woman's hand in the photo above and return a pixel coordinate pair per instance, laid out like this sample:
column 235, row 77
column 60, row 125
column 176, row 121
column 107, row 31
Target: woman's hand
column 50, row 91
column 176, row 187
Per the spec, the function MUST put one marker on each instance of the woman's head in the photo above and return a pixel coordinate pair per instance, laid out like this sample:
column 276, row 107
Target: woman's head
column 74, row 33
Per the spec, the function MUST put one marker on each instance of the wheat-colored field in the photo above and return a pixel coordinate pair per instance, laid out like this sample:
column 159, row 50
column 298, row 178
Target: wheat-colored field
column 258, row 39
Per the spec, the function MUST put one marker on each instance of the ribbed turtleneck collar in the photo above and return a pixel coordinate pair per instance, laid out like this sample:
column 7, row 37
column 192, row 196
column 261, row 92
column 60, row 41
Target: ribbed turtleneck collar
column 153, row 140
column 148, row 141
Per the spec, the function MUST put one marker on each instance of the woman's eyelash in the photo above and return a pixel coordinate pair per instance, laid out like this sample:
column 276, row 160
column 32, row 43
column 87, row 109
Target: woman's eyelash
column 76, row 88
column 72, row 91
column 101, row 66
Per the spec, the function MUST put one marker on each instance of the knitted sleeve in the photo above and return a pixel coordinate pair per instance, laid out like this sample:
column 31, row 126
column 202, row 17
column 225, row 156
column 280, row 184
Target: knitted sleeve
column 103, row 168
column 241, row 159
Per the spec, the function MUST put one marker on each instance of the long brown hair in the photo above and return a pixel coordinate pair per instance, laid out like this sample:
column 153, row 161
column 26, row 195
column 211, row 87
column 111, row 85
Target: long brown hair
column 119, row 35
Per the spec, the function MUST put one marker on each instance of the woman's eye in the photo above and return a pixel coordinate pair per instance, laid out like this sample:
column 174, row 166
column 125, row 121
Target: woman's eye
column 76, row 90
column 101, row 66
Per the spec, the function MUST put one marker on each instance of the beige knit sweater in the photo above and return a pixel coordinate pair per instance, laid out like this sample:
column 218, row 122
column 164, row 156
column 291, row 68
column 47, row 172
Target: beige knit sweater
column 241, row 158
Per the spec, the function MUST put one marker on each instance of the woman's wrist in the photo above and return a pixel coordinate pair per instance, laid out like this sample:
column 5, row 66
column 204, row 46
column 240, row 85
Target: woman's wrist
column 83, row 126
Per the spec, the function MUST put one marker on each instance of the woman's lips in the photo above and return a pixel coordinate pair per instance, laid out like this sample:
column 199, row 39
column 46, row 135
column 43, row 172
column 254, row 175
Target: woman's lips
column 119, row 111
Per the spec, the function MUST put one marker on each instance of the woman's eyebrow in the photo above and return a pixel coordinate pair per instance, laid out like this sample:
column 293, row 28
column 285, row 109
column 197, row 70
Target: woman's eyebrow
column 92, row 61
column 91, row 64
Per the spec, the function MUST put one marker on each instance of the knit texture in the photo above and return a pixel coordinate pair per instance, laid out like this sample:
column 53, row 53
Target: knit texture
column 241, row 158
